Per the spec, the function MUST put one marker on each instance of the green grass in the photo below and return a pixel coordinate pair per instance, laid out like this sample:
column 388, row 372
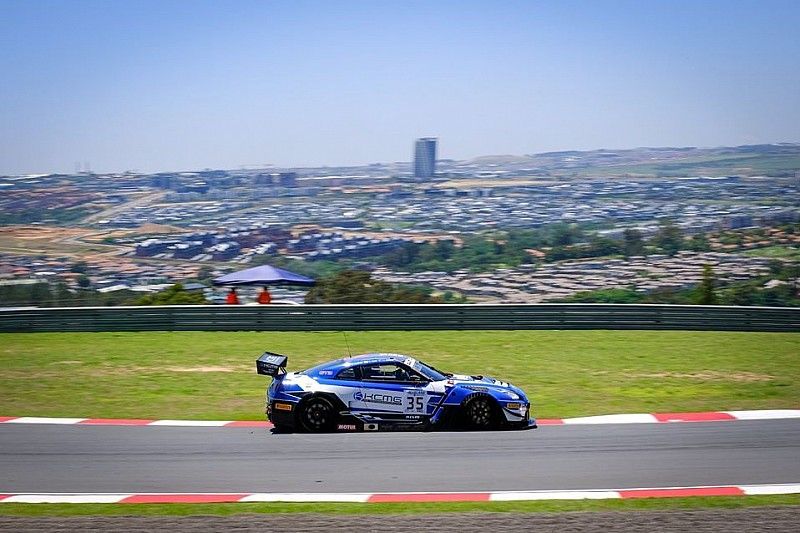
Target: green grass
column 715, row 502
column 566, row 373
column 776, row 252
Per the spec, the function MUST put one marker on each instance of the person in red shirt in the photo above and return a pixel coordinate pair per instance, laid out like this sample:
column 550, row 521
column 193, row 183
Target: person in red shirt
column 233, row 298
column 264, row 297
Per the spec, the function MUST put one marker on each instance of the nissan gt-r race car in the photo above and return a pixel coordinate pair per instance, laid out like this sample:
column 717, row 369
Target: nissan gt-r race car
column 382, row 391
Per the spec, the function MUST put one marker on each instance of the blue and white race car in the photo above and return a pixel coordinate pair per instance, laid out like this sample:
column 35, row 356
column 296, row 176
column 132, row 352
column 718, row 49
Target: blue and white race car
column 383, row 391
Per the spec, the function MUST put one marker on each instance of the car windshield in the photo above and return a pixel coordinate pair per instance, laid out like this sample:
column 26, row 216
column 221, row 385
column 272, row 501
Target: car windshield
column 429, row 372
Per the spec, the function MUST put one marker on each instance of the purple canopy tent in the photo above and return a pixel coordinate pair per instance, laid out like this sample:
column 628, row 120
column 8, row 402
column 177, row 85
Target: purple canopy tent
column 263, row 275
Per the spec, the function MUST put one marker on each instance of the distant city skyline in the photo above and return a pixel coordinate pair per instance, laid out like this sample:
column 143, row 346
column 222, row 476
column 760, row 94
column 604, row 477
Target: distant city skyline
column 172, row 85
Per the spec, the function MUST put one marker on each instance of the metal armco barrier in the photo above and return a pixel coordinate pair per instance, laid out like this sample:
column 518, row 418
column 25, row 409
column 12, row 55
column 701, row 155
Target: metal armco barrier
column 399, row 317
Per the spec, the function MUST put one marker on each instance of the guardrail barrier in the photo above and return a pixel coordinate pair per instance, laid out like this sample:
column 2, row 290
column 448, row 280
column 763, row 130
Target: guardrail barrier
column 399, row 317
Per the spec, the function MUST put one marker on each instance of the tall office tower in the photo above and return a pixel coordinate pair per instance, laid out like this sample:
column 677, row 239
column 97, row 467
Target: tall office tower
column 425, row 157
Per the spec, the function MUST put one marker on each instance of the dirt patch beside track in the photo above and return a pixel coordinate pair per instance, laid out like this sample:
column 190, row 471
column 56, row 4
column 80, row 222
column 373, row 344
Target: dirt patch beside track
column 774, row 519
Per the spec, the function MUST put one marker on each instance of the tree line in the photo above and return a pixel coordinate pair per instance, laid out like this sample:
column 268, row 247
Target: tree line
column 60, row 295
column 552, row 243
column 782, row 292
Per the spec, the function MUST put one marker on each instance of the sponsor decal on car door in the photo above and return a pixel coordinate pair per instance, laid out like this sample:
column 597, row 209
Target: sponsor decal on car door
column 377, row 397
column 409, row 399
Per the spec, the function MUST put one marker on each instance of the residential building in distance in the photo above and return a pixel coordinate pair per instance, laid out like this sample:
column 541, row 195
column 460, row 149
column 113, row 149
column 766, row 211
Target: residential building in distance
column 425, row 157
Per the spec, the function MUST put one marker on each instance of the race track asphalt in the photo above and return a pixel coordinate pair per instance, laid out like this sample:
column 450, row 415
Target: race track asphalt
column 51, row 458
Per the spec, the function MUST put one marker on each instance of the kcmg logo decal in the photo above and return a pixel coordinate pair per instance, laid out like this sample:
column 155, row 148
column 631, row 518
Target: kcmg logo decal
column 377, row 397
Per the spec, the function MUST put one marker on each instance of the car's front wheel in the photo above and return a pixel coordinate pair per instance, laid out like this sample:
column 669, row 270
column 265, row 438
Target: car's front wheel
column 317, row 415
column 480, row 412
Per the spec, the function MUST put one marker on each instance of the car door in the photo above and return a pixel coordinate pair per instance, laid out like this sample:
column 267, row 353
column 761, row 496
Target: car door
column 347, row 387
column 391, row 387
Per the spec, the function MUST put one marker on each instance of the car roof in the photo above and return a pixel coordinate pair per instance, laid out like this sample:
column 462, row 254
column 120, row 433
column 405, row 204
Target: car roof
column 376, row 357
column 359, row 359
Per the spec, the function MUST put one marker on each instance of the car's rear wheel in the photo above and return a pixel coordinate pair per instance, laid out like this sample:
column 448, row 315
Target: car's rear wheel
column 480, row 412
column 317, row 415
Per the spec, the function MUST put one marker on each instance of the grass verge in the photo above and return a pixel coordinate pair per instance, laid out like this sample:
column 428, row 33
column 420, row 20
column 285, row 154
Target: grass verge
column 715, row 502
column 210, row 375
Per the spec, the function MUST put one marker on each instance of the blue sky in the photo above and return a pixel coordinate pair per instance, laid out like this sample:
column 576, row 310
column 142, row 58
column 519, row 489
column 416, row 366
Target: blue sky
column 180, row 85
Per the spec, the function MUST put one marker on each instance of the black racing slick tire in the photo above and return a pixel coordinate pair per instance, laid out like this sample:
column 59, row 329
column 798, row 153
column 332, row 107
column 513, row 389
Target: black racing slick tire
column 317, row 415
column 480, row 413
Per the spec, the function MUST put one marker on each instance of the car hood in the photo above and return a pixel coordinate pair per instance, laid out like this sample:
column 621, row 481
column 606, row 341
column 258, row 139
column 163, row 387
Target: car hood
column 477, row 379
column 481, row 381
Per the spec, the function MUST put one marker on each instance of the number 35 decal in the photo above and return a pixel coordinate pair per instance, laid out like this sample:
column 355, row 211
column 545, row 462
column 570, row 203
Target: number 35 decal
column 415, row 404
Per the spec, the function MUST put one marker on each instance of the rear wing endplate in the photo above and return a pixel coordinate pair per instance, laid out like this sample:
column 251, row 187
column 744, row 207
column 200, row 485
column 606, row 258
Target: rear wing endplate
column 271, row 364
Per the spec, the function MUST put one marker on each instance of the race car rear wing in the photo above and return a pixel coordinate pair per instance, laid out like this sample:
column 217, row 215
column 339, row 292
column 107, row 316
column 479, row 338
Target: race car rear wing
column 271, row 364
